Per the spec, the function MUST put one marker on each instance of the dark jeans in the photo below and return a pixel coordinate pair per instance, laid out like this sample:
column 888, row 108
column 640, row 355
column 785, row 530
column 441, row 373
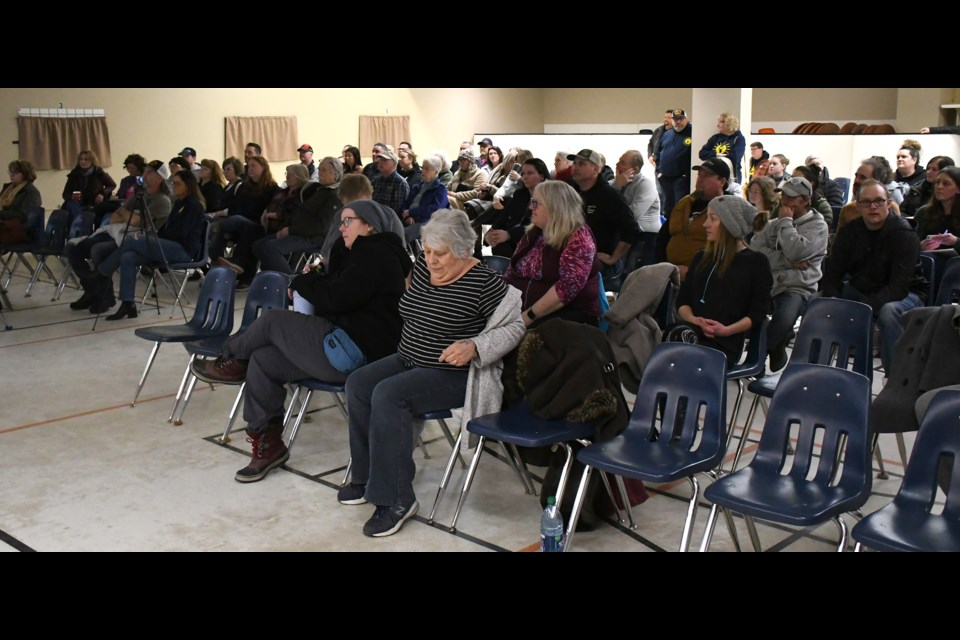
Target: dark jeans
column 272, row 251
column 382, row 400
column 282, row 346
column 136, row 252
column 787, row 307
column 674, row 190
column 244, row 232
column 96, row 247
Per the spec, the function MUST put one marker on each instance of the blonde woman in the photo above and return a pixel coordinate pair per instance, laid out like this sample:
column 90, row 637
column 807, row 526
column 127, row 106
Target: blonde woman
column 727, row 142
column 555, row 264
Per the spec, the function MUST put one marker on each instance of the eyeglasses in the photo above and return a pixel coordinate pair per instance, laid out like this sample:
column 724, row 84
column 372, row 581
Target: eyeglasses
column 872, row 204
column 346, row 222
column 534, row 204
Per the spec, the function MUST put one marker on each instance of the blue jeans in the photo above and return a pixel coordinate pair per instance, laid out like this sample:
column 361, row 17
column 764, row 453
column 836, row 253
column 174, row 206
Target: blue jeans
column 787, row 307
column 382, row 400
column 272, row 251
column 887, row 319
column 674, row 190
column 135, row 252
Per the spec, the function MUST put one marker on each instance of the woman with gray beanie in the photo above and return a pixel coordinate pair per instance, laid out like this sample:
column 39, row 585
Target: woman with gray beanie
column 356, row 305
column 727, row 289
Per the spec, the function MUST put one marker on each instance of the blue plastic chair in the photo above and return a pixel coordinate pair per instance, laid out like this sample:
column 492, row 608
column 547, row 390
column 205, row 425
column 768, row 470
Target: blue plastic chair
column 515, row 427
column 844, row 184
column 928, row 268
column 665, row 439
column 907, row 524
column 213, row 317
column 665, row 310
column 949, row 290
column 828, row 475
column 834, row 332
column 80, row 225
column 176, row 289
column 19, row 251
column 267, row 291
column 51, row 244
column 753, row 365
column 497, row 264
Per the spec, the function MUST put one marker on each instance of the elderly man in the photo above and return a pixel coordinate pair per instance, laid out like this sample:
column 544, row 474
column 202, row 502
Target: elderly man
column 641, row 195
column 389, row 187
column 607, row 215
column 468, row 178
column 874, row 261
column 873, row 168
column 683, row 235
column 672, row 160
column 309, row 225
column 795, row 243
column 306, row 159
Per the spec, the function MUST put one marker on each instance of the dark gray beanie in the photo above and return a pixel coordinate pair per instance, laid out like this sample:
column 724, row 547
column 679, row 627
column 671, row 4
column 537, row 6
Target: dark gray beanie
column 735, row 213
column 374, row 214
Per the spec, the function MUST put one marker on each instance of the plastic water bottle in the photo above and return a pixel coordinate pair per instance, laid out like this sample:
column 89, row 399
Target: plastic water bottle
column 551, row 527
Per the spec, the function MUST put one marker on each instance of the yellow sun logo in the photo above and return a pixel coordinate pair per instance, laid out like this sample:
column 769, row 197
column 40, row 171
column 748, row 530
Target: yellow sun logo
column 722, row 149
column 688, row 141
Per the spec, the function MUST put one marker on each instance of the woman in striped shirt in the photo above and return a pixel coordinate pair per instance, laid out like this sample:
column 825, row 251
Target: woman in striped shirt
column 450, row 300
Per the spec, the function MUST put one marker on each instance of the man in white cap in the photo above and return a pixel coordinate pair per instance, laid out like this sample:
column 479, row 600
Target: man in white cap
column 795, row 243
column 389, row 187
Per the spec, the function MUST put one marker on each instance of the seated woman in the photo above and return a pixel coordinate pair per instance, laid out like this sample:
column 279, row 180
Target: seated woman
column 920, row 195
column 762, row 194
column 938, row 222
column 408, row 168
column 351, row 161
column 89, row 181
column 178, row 241
column 555, row 265
column 512, row 181
column 242, row 219
column 212, row 183
column 18, row 197
column 727, row 288
column 427, row 196
column 454, row 315
column 496, row 171
column 509, row 225
column 178, row 163
column 359, row 293
column 134, row 164
column 233, row 174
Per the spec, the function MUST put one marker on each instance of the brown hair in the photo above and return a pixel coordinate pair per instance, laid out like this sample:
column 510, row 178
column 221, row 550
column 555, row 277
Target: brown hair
column 24, row 167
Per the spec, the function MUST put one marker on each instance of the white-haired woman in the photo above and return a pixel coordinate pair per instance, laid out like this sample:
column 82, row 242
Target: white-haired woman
column 458, row 317
column 427, row 196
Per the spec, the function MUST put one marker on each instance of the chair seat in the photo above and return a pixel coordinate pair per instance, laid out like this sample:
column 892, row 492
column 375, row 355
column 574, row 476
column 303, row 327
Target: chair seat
column 207, row 348
column 180, row 333
column 626, row 456
column 520, row 427
column 765, row 386
column 782, row 499
column 319, row 385
column 745, row 370
column 896, row 529
column 435, row 415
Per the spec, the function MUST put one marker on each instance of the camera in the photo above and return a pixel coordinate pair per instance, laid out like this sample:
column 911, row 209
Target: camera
column 517, row 167
column 139, row 181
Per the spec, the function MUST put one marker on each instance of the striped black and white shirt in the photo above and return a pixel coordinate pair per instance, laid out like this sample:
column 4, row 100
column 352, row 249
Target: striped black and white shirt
column 436, row 317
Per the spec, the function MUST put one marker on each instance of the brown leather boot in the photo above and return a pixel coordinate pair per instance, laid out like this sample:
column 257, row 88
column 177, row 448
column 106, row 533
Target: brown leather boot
column 269, row 452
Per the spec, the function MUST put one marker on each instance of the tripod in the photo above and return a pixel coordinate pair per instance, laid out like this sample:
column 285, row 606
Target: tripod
column 148, row 227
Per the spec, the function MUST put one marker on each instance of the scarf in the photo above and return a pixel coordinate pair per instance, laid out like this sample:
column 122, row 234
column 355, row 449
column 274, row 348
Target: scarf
column 8, row 195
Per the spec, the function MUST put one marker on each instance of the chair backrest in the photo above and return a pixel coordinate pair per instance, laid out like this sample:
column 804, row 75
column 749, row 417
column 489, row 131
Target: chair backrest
column 753, row 363
column 835, row 332
column 928, row 268
column 949, row 290
column 82, row 224
column 938, row 438
column 682, row 384
column 35, row 226
column 214, row 312
column 497, row 264
column 55, row 233
column 844, row 184
column 664, row 313
column 267, row 291
column 825, row 409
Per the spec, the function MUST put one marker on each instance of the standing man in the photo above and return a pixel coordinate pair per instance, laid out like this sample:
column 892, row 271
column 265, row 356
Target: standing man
column 672, row 160
column 878, row 253
column 607, row 215
column 654, row 143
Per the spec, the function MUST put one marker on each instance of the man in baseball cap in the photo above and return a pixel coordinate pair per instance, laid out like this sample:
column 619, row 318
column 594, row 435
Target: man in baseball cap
column 306, row 159
column 190, row 155
column 673, row 160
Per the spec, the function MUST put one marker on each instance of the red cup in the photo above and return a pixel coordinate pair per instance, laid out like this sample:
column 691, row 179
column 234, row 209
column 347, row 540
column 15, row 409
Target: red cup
column 77, row 195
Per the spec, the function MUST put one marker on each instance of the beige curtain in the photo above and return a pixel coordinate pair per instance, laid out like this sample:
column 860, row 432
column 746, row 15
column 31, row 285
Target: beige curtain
column 55, row 143
column 388, row 129
column 276, row 134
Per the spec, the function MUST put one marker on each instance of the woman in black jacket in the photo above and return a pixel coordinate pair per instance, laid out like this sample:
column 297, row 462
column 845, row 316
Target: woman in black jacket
column 17, row 198
column 359, row 294
column 212, row 183
column 511, row 222
column 89, row 180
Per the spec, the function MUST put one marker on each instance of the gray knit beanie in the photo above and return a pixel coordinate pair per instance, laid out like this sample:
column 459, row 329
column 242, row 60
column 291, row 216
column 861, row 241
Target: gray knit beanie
column 735, row 213
column 373, row 213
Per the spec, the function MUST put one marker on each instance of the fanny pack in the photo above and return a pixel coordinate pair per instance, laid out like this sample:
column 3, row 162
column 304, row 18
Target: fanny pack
column 342, row 352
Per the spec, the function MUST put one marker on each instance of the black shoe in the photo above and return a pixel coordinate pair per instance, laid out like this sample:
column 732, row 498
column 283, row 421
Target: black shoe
column 128, row 309
column 386, row 521
column 352, row 494
column 85, row 301
column 778, row 357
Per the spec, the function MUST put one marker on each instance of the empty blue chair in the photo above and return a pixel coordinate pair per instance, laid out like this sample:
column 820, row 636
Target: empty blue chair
column 51, row 244
column 80, row 225
column 828, row 475
column 832, row 332
column 928, row 268
column 677, row 428
column 19, row 251
column 497, row 264
column 949, row 290
column 212, row 318
column 267, row 291
column 908, row 524
column 753, row 365
column 844, row 184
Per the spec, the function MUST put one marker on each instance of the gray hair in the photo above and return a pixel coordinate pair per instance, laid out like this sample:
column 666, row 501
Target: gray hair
column 452, row 230
column 337, row 167
column 443, row 158
column 434, row 162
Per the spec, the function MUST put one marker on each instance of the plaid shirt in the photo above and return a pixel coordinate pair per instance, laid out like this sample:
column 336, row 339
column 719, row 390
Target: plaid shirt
column 391, row 191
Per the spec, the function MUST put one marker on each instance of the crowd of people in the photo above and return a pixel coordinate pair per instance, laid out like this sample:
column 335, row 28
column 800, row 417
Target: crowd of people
column 402, row 285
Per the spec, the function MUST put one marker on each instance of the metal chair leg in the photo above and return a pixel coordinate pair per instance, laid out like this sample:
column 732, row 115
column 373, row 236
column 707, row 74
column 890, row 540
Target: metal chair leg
column 449, row 436
column 447, row 472
column 183, row 383
column 752, row 531
column 882, row 474
column 577, row 507
column 691, row 514
column 708, row 531
column 467, row 481
column 842, row 545
column 225, row 438
column 606, row 485
column 178, row 420
column 146, row 372
column 299, row 420
column 626, row 501
column 745, row 434
column 902, row 445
